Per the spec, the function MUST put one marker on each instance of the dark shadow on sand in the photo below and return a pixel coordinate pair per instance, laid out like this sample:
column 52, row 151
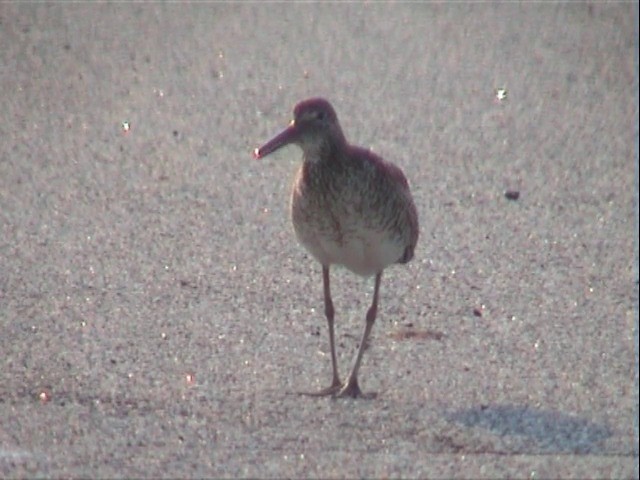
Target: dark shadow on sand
column 530, row 430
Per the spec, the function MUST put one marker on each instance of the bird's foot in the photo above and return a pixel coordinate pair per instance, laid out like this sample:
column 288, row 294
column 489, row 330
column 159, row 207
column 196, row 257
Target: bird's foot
column 352, row 390
column 330, row 390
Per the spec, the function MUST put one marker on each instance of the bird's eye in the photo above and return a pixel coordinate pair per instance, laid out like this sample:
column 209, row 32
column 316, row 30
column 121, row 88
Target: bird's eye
column 320, row 115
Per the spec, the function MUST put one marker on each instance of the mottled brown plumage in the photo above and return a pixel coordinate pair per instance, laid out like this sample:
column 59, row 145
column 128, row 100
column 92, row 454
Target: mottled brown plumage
column 348, row 207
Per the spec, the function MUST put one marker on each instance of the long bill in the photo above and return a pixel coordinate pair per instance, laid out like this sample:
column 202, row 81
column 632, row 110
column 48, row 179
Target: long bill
column 288, row 135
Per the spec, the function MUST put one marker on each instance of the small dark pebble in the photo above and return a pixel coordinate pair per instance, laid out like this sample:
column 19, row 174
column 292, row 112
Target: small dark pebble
column 477, row 312
column 512, row 194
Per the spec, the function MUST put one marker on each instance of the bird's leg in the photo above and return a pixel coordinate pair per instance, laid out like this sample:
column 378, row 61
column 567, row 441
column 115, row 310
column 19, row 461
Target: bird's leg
column 329, row 313
column 351, row 388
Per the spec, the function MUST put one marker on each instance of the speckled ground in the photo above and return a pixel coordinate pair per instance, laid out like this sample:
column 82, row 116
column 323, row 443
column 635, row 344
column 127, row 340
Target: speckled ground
column 157, row 316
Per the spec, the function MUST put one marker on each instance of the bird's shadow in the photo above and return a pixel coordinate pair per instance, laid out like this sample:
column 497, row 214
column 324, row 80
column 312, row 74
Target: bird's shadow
column 531, row 430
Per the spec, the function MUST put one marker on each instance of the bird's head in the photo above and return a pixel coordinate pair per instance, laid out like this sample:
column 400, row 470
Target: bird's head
column 314, row 128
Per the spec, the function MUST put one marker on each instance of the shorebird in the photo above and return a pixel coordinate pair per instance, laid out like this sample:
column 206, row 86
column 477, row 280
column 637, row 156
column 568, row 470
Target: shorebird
column 348, row 207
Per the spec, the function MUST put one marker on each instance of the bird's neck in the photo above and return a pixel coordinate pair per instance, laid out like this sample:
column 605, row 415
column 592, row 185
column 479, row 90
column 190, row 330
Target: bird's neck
column 324, row 149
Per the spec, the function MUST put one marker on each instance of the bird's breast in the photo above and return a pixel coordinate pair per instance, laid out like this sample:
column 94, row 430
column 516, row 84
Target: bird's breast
column 339, row 222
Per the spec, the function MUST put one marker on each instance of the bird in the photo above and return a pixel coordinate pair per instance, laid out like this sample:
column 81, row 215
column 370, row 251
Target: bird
column 348, row 207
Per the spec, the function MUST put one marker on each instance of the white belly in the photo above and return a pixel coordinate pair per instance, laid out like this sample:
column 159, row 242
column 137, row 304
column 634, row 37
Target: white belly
column 365, row 253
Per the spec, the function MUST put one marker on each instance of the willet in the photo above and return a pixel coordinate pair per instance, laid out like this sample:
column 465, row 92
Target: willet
column 348, row 207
